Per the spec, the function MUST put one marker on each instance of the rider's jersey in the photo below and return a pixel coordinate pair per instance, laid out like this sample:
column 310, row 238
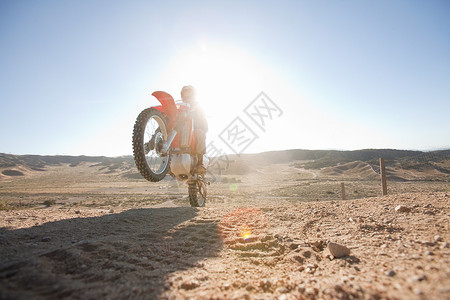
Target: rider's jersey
column 199, row 118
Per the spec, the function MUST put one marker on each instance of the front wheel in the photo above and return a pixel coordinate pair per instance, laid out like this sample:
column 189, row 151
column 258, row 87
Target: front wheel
column 197, row 194
column 149, row 135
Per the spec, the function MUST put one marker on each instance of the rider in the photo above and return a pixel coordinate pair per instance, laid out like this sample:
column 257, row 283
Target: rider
column 200, row 124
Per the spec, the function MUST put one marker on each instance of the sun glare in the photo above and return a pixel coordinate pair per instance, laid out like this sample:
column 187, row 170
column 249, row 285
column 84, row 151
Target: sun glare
column 228, row 79
column 225, row 79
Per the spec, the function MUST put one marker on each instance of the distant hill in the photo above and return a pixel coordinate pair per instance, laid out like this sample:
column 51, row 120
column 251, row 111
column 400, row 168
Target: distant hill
column 354, row 168
column 18, row 165
column 40, row 161
column 439, row 161
column 326, row 158
column 335, row 163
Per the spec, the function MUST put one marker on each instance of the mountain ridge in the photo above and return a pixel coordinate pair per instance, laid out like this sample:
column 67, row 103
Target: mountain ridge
column 318, row 158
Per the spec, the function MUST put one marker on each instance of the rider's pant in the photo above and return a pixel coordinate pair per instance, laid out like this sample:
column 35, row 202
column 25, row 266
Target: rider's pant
column 200, row 137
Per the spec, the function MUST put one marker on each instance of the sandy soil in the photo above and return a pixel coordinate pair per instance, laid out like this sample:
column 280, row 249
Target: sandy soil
column 258, row 239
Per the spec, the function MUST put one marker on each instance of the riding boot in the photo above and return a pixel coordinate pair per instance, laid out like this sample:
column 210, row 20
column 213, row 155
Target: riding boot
column 200, row 168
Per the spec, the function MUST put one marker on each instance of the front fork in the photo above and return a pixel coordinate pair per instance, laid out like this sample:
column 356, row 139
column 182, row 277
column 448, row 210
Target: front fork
column 166, row 146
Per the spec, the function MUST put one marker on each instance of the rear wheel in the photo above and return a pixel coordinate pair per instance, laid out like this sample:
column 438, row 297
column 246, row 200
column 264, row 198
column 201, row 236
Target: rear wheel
column 197, row 194
column 149, row 135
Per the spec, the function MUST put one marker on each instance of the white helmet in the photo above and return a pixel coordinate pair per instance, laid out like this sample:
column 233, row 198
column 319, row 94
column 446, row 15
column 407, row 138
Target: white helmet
column 188, row 93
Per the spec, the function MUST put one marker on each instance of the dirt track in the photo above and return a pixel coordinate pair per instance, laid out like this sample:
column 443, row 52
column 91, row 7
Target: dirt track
column 260, row 237
column 229, row 250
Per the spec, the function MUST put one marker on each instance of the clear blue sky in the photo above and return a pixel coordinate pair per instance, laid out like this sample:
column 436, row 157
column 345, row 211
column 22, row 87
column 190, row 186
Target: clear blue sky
column 347, row 74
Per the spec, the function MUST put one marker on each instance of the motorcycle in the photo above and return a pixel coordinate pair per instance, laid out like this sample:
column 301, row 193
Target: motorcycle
column 164, row 143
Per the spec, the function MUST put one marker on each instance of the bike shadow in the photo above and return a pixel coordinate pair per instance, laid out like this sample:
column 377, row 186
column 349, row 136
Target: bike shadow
column 131, row 254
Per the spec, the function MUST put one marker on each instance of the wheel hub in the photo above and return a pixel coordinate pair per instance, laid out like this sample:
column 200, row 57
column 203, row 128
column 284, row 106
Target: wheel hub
column 159, row 142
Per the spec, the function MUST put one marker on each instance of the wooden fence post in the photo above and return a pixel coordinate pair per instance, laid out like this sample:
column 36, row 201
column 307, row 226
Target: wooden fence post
column 383, row 177
column 342, row 191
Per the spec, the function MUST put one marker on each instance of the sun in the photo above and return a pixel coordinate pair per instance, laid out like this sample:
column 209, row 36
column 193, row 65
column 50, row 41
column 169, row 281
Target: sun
column 226, row 79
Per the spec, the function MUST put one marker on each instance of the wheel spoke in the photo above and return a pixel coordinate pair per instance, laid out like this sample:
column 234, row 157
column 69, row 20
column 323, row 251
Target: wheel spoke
column 155, row 132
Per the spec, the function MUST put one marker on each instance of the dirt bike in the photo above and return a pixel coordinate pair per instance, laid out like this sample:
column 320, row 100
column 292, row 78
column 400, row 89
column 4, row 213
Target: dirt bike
column 164, row 143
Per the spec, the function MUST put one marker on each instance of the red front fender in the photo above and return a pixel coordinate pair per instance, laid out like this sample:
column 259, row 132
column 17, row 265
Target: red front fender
column 166, row 100
column 168, row 106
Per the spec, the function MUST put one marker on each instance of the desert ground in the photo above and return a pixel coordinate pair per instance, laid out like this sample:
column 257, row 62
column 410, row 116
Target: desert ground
column 83, row 231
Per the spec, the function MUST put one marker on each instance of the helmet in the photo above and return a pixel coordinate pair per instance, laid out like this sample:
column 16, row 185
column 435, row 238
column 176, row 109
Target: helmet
column 188, row 93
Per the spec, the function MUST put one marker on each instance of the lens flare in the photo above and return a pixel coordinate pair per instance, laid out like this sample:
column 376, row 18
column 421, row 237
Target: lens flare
column 246, row 232
column 243, row 225
column 233, row 187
